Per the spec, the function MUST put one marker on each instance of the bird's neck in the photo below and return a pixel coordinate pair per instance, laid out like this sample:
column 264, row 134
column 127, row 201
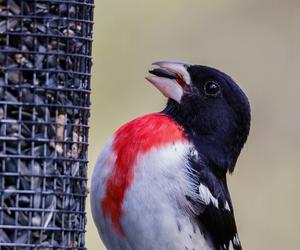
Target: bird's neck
column 220, row 149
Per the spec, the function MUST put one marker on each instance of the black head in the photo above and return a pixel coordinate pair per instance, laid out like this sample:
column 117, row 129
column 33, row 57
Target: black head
column 212, row 108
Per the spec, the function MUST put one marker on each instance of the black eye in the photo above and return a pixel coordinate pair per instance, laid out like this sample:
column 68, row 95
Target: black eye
column 212, row 88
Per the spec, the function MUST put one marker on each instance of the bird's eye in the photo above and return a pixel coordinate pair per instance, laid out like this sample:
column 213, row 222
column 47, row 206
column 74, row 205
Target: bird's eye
column 212, row 88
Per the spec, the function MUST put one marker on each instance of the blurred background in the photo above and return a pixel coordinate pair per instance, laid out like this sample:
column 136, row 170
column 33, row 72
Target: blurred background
column 257, row 42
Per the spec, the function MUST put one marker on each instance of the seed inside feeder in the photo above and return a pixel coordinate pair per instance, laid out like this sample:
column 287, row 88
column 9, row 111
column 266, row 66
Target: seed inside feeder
column 45, row 63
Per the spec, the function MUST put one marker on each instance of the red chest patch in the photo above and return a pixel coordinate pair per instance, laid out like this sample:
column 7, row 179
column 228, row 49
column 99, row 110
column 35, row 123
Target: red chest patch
column 134, row 138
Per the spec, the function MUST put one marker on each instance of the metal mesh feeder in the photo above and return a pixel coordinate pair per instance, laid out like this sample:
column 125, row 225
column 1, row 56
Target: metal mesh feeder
column 45, row 64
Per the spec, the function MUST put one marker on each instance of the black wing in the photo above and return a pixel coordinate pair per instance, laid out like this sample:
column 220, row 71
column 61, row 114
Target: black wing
column 212, row 206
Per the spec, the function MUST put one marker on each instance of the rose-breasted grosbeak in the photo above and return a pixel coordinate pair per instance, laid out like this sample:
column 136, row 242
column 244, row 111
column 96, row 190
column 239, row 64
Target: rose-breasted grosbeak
column 160, row 181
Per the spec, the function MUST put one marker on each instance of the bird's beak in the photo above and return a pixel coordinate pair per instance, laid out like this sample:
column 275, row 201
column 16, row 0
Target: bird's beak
column 171, row 78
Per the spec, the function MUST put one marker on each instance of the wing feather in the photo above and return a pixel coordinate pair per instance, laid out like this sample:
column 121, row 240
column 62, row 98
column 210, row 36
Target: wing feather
column 212, row 207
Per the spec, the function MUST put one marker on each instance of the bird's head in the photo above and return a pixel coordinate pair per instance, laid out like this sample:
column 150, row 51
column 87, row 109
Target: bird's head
column 211, row 107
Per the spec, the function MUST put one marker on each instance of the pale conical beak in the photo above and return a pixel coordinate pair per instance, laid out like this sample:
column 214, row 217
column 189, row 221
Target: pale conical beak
column 170, row 78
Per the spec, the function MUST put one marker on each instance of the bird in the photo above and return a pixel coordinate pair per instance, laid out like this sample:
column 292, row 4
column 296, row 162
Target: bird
column 160, row 180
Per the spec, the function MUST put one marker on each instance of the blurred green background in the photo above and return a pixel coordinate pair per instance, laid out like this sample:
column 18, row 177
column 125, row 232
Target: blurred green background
column 257, row 42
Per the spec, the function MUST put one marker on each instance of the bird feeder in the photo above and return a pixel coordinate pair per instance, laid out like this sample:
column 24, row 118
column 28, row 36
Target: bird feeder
column 45, row 66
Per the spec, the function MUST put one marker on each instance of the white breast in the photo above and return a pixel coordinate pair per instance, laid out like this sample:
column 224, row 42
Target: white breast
column 103, row 168
column 156, row 213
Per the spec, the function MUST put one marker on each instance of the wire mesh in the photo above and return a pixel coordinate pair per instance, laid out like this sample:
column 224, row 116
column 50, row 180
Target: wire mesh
column 45, row 64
